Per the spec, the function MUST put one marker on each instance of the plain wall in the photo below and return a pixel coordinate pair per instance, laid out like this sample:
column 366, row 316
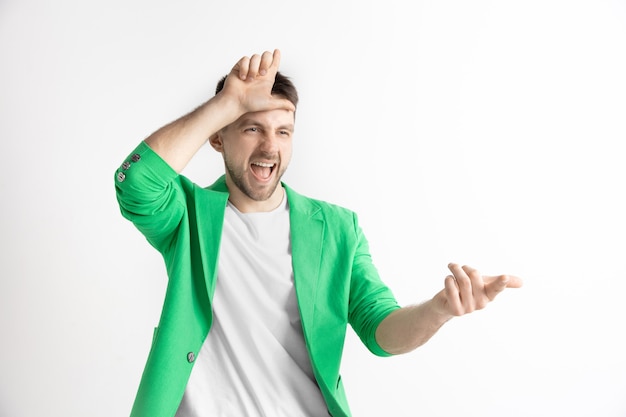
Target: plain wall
column 487, row 133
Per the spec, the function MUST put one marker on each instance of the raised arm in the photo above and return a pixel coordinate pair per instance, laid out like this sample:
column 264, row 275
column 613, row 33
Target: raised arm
column 247, row 88
column 466, row 290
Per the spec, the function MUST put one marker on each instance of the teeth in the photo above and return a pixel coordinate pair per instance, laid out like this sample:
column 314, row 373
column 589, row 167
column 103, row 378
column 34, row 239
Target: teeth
column 263, row 164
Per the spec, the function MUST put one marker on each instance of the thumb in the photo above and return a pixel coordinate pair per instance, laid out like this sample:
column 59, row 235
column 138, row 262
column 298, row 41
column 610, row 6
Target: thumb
column 496, row 284
column 279, row 103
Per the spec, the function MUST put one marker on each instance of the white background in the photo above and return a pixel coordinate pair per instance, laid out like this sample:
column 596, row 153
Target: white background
column 480, row 132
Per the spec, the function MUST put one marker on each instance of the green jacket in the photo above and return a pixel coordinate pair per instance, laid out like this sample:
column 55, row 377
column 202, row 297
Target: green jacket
column 335, row 280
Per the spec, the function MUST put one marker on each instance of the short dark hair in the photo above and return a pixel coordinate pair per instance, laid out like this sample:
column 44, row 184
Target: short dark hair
column 282, row 87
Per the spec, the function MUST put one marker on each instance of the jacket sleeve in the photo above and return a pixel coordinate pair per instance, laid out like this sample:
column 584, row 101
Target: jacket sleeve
column 370, row 299
column 150, row 195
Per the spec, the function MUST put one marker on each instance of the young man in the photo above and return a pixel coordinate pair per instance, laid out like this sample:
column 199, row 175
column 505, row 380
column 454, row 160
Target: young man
column 262, row 281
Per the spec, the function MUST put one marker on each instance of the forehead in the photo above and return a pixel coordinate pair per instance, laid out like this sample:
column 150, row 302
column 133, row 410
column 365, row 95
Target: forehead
column 268, row 118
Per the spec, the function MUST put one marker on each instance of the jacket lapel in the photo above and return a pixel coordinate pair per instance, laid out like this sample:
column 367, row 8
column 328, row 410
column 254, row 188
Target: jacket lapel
column 210, row 209
column 307, row 240
column 307, row 234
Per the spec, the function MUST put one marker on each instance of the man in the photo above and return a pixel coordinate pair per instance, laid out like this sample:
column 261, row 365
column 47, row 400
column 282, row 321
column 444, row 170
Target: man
column 262, row 281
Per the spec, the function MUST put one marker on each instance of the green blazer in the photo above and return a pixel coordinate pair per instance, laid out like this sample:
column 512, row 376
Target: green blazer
column 335, row 280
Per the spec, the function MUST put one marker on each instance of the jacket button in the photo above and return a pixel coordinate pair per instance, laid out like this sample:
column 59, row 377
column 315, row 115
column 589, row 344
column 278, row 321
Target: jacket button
column 191, row 357
column 125, row 165
column 121, row 176
column 136, row 157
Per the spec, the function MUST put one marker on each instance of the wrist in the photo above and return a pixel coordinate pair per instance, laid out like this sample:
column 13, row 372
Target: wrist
column 225, row 107
column 439, row 313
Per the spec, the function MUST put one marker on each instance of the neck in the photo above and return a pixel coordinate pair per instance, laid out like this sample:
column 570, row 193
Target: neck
column 245, row 204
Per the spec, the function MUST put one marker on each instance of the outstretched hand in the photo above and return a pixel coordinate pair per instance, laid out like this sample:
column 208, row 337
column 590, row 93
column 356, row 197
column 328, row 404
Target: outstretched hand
column 250, row 83
column 466, row 290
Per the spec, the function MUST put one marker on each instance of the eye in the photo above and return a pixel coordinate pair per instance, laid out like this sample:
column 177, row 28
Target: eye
column 252, row 129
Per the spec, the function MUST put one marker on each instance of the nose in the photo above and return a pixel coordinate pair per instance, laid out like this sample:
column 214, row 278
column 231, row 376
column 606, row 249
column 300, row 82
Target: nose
column 269, row 142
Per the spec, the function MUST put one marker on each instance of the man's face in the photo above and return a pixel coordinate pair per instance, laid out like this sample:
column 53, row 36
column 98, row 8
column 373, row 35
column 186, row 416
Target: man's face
column 257, row 150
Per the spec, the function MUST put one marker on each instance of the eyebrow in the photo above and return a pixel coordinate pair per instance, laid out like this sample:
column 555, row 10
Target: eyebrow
column 253, row 122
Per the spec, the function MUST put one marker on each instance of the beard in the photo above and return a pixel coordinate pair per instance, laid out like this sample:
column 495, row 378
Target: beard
column 240, row 178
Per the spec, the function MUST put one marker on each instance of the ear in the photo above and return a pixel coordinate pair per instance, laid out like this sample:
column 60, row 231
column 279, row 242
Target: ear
column 217, row 142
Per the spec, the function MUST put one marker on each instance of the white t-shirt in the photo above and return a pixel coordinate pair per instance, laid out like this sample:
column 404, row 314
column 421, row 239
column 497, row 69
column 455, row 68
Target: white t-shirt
column 254, row 361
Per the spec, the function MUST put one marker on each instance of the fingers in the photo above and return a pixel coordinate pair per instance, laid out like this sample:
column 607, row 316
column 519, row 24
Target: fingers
column 467, row 290
column 275, row 60
column 471, row 287
column 249, row 68
column 453, row 298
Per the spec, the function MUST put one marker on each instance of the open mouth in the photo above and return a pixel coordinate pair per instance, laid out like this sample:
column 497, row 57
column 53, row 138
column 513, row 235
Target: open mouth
column 262, row 170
